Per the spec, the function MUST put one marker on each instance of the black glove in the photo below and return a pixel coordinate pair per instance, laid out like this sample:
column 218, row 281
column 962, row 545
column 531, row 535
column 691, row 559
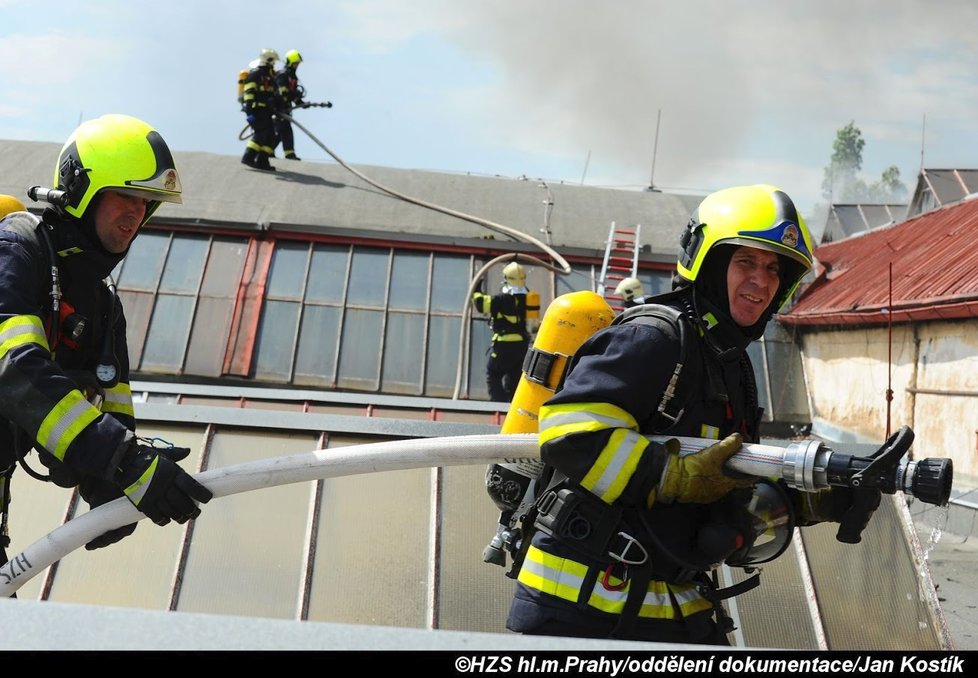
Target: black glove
column 96, row 492
column 58, row 472
column 851, row 508
column 329, row 104
column 157, row 486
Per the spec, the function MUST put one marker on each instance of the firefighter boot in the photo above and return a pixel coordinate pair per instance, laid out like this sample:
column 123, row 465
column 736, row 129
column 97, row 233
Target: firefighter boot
column 249, row 157
column 262, row 162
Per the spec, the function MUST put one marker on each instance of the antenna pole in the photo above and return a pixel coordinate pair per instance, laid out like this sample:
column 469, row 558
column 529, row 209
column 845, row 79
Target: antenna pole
column 655, row 150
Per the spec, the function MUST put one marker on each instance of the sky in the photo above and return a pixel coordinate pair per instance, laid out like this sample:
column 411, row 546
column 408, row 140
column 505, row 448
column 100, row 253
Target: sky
column 687, row 95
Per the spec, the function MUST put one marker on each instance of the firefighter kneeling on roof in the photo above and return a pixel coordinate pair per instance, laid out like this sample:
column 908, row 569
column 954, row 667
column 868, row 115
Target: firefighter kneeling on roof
column 623, row 541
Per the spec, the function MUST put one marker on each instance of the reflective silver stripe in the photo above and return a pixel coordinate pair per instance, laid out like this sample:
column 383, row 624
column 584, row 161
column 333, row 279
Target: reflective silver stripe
column 64, row 422
column 616, row 459
column 119, row 399
column 560, row 577
column 565, row 418
column 19, row 330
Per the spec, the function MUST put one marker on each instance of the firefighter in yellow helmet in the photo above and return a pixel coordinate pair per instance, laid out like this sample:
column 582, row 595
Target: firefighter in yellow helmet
column 64, row 367
column 628, row 530
column 508, row 313
column 8, row 204
column 258, row 101
column 631, row 292
column 289, row 93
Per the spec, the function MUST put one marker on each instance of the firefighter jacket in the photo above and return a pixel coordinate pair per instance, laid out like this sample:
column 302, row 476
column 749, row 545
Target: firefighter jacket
column 288, row 91
column 44, row 358
column 593, row 433
column 258, row 95
column 507, row 315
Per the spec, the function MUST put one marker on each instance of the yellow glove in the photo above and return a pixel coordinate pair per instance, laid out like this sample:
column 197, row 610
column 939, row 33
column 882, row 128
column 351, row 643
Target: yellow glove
column 699, row 478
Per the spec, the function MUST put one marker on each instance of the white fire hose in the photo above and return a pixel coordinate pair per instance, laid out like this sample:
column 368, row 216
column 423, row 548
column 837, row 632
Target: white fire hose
column 801, row 464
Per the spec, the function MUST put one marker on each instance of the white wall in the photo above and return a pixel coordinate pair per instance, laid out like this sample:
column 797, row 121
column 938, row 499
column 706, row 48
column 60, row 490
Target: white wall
column 848, row 372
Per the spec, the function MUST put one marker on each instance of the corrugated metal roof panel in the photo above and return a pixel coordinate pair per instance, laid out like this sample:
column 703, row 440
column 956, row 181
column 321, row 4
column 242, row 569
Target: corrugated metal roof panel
column 323, row 196
column 934, row 273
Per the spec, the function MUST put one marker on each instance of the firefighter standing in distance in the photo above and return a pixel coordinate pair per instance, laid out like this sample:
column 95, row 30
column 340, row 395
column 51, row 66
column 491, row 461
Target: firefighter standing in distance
column 628, row 530
column 64, row 372
column 290, row 94
column 631, row 292
column 258, row 104
column 508, row 315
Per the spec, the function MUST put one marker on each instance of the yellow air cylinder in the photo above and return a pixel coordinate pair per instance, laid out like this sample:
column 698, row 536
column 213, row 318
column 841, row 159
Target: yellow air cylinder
column 569, row 321
column 9, row 203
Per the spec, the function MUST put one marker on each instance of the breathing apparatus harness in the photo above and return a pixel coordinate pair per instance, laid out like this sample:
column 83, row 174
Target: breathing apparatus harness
column 728, row 530
column 64, row 326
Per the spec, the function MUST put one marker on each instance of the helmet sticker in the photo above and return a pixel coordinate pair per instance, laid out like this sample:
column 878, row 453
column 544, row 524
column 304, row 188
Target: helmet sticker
column 790, row 236
column 170, row 180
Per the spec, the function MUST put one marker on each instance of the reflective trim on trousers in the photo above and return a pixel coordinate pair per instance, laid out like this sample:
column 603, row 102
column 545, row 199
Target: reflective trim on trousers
column 563, row 578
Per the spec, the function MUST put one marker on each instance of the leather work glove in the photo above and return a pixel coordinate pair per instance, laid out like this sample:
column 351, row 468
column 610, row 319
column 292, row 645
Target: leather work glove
column 96, row 492
column 157, row 486
column 699, row 478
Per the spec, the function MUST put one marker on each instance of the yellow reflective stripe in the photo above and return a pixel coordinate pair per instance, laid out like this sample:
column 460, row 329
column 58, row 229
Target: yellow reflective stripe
column 615, row 465
column 560, row 577
column 711, row 432
column 481, row 302
column 20, row 330
column 119, row 399
column 563, row 419
column 137, row 490
column 64, row 422
column 507, row 337
column 563, row 578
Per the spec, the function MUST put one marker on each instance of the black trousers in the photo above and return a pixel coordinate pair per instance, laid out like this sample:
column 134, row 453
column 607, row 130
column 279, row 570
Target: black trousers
column 283, row 128
column 504, row 368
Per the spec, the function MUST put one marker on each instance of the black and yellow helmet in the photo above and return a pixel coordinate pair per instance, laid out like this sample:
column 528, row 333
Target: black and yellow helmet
column 121, row 153
column 761, row 216
column 293, row 58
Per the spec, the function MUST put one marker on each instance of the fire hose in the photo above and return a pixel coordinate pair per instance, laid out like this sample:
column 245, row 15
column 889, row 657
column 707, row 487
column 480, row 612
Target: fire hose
column 808, row 466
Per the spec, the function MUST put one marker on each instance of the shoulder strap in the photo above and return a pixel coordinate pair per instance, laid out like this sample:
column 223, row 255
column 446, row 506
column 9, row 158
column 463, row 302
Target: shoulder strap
column 673, row 321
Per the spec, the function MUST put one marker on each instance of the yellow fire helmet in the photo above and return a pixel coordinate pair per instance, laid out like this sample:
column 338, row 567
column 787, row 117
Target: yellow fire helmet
column 514, row 275
column 121, row 153
column 8, row 204
column 761, row 216
column 293, row 58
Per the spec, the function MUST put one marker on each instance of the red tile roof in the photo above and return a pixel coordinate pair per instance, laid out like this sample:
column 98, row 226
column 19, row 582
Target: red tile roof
column 934, row 261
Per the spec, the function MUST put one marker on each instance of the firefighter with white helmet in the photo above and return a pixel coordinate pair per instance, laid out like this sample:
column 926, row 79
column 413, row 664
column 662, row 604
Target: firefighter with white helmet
column 627, row 531
column 509, row 312
column 631, row 291
column 258, row 104
column 64, row 364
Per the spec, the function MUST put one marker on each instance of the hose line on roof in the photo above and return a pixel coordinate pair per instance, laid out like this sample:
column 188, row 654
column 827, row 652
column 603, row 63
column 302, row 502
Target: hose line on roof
column 562, row 265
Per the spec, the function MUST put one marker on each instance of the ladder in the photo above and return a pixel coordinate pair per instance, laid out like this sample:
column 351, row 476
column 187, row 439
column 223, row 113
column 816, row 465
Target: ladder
column 620, row 262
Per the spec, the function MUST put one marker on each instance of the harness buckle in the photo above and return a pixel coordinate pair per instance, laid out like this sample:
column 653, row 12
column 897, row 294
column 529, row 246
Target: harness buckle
column 606, row 579
column 622, row 554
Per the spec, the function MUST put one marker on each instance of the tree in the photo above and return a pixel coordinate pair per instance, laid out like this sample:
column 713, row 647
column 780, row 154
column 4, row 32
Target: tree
column 841, row 183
